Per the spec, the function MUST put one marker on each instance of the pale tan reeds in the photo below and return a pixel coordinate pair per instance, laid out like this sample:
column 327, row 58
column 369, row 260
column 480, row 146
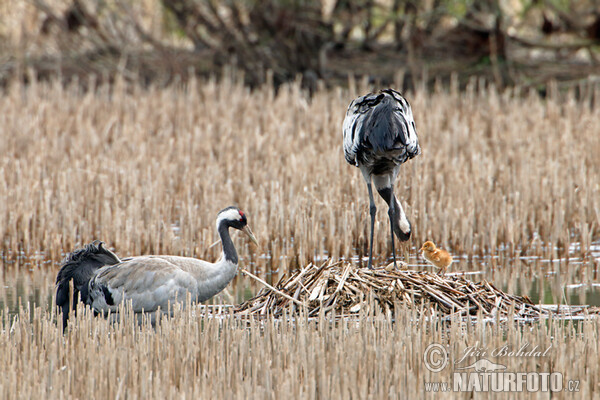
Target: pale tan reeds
column 147, row 170
column 194, row 356
column 343, row 289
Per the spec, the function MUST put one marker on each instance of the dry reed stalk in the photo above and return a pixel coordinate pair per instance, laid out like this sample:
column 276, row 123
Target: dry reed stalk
column 199, row 355
column 280, row 293
column 146, row 170
column 343, row 289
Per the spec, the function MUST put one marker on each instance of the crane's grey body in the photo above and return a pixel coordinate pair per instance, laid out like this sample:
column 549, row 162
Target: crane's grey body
column 380, row 135
column 104, row 281
column 150, row 282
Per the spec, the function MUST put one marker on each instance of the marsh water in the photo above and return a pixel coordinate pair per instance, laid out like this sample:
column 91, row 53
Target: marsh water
column 29, row 280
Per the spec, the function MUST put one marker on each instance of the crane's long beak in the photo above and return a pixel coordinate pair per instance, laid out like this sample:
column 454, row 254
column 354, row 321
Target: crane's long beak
column 248, row 232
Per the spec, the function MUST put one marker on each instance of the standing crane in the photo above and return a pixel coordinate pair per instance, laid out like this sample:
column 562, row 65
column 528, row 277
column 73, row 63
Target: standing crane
column 103, row 281
column 379, row 136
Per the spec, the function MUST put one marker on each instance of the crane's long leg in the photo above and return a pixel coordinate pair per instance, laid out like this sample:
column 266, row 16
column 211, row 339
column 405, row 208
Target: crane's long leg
column 392, row 215
column 372, row 211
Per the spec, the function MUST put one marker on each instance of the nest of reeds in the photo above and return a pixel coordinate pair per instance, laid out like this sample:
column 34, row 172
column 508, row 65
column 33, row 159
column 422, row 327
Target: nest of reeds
column 345, row 289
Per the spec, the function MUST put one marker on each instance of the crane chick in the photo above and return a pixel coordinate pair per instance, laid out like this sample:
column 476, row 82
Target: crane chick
column 438, row 257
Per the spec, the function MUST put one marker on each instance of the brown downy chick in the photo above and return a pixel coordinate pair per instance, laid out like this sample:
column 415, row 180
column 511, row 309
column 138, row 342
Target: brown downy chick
column 438, row 257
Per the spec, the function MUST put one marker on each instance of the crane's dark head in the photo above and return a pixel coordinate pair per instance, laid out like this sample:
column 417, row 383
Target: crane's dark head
column 235, row 218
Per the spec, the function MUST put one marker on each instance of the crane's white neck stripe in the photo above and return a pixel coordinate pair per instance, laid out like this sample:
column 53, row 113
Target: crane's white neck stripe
column 230, row 215
column 404, row 224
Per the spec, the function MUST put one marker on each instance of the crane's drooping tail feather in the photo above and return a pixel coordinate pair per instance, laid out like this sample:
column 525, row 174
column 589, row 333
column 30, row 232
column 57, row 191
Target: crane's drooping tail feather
column 79, row 267
column 400, row 224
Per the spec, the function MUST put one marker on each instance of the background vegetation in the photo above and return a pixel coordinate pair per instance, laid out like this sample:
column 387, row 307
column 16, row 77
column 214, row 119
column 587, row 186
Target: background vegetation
column 147, row 170
column 525, row 42
column 135, row 122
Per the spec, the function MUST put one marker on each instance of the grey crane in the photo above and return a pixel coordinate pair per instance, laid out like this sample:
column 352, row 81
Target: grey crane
column 379, row 136
column 102, row 280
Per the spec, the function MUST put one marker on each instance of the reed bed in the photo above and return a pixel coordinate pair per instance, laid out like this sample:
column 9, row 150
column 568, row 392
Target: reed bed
column 147, row 169
column 342, row 289
column 194, row 355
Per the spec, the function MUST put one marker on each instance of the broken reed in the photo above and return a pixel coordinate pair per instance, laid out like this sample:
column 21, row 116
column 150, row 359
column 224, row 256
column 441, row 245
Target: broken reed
column 147, row 169
column 344, row 290
column 194, row 356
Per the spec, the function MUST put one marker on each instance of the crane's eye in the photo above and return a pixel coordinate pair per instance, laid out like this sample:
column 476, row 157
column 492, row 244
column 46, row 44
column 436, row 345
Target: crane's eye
column 242, row 214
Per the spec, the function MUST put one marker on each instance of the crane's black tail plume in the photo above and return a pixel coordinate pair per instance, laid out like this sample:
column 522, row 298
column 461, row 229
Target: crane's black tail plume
column 79, row 267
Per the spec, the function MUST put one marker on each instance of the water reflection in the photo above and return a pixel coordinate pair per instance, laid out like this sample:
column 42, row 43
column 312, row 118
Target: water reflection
column 570, row 281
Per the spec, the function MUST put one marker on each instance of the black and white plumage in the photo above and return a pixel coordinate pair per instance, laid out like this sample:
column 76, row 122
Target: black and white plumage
column 103, row 281
column 379, row 136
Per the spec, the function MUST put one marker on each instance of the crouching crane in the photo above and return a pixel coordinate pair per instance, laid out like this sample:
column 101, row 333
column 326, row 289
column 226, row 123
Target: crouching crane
column 103, row 281
column 379, row 136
